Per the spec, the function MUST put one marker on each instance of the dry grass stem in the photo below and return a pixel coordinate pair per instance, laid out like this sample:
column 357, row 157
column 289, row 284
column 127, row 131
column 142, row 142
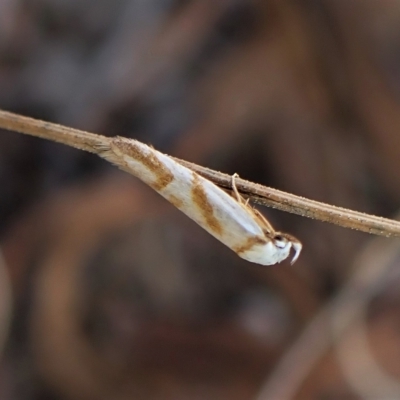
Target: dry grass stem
column 257, row 193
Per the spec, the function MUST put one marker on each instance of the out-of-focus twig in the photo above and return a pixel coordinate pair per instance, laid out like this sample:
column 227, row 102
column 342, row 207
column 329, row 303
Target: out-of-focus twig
column 5, row 302
column 375, row 267
column 258, row 193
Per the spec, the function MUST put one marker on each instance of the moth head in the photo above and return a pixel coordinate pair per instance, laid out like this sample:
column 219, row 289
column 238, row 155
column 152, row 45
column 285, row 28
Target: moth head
column 283, row 241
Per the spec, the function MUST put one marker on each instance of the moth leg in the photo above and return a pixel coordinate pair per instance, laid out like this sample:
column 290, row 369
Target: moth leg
column 238, row 196
column 262, row 220
column 266, row 224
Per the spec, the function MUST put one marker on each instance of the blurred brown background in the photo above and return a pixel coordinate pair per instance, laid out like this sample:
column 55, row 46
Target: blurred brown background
column 106, row 291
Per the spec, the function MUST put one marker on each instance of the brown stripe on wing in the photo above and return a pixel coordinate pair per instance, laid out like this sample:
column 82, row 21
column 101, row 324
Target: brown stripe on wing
column 249, row 243
column 178, row 203
column 149, row 160
column 200, row 199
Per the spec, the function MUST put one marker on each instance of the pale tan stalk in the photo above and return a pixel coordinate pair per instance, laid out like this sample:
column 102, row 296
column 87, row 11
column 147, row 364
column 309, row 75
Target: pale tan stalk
column 260, row 194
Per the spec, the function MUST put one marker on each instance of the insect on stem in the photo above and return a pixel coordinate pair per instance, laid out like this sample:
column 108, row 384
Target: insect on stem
column 257, row 193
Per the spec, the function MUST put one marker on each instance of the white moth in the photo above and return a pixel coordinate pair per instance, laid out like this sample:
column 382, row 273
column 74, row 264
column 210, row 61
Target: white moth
column 228, row 218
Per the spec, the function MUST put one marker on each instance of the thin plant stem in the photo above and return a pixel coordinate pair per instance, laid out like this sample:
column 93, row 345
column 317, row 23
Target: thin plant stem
column 257, row 193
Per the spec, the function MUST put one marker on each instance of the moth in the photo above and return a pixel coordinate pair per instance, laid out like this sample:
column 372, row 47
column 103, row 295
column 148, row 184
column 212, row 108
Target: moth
column 229, row 218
